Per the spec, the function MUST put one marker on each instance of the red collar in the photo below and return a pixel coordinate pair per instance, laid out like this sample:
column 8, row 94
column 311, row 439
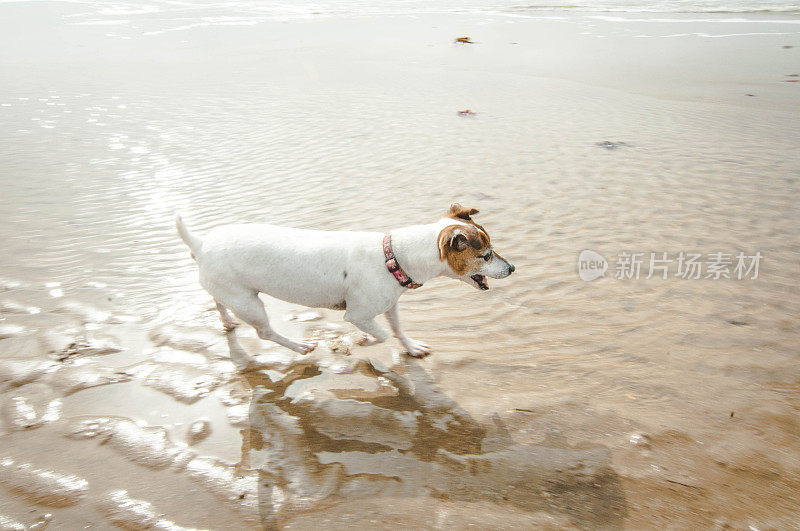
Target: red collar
column 394, row 268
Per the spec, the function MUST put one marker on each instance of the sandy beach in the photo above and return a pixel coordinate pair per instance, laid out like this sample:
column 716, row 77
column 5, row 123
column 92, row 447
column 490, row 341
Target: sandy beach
column 549, row 402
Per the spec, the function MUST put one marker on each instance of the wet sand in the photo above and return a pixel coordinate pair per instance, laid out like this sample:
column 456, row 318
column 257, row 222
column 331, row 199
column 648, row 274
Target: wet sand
column 549, row 402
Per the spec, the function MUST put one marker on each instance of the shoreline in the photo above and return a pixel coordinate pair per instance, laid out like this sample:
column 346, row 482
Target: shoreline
column 631, row 55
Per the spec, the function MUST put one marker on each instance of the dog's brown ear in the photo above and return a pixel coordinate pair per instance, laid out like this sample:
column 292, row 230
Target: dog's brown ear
column 459, row 242
column 461, row 212
column 458, row 238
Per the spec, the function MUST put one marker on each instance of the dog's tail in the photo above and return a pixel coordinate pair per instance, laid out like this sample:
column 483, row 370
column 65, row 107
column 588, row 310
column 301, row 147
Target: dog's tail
column 194, row 243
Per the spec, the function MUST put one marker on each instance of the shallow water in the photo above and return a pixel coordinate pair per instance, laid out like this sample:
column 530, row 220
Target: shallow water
column 548, row 401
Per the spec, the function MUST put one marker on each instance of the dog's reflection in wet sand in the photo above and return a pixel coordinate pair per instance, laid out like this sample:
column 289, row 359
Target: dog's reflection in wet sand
column 401, row 436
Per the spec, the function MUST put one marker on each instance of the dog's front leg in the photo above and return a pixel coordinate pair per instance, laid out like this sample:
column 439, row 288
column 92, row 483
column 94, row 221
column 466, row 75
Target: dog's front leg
column 412, row 346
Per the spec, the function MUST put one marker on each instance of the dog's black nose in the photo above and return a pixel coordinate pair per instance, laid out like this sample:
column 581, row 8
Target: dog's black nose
column 511, row 268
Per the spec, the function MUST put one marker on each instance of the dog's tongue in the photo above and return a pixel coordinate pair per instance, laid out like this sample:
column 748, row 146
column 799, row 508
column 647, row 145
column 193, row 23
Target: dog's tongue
column 481, row 281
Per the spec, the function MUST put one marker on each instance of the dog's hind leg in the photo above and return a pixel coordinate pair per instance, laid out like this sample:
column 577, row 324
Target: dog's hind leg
column 229, row 322
column 248, row 307
column 379, row 335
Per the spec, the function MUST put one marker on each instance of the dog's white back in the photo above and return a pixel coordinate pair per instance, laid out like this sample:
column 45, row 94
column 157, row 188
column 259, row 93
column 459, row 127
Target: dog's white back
column 308, row 267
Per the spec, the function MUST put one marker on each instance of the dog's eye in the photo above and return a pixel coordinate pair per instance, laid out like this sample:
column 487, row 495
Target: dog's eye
column 488, row 256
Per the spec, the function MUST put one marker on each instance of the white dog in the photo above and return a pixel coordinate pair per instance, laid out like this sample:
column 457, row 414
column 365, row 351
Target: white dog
column 363, row 273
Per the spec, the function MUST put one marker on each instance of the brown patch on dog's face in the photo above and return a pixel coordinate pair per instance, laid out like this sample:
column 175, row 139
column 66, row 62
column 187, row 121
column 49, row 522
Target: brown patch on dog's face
column 462, row 246
column 468, row 251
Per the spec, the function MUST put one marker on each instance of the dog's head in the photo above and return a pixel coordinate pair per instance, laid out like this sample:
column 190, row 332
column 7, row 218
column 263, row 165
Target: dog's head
column 467, row 249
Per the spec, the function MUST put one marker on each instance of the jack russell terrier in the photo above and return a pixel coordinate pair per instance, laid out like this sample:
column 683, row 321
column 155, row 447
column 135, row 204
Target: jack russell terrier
column 363, row 273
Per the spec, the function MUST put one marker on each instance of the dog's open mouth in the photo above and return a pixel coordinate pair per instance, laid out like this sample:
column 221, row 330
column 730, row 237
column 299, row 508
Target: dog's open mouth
column 480, row 281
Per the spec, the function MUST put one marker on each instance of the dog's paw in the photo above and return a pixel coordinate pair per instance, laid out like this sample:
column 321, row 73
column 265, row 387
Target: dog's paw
column 416, row 348
column 303, row 346
column 365, row 340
